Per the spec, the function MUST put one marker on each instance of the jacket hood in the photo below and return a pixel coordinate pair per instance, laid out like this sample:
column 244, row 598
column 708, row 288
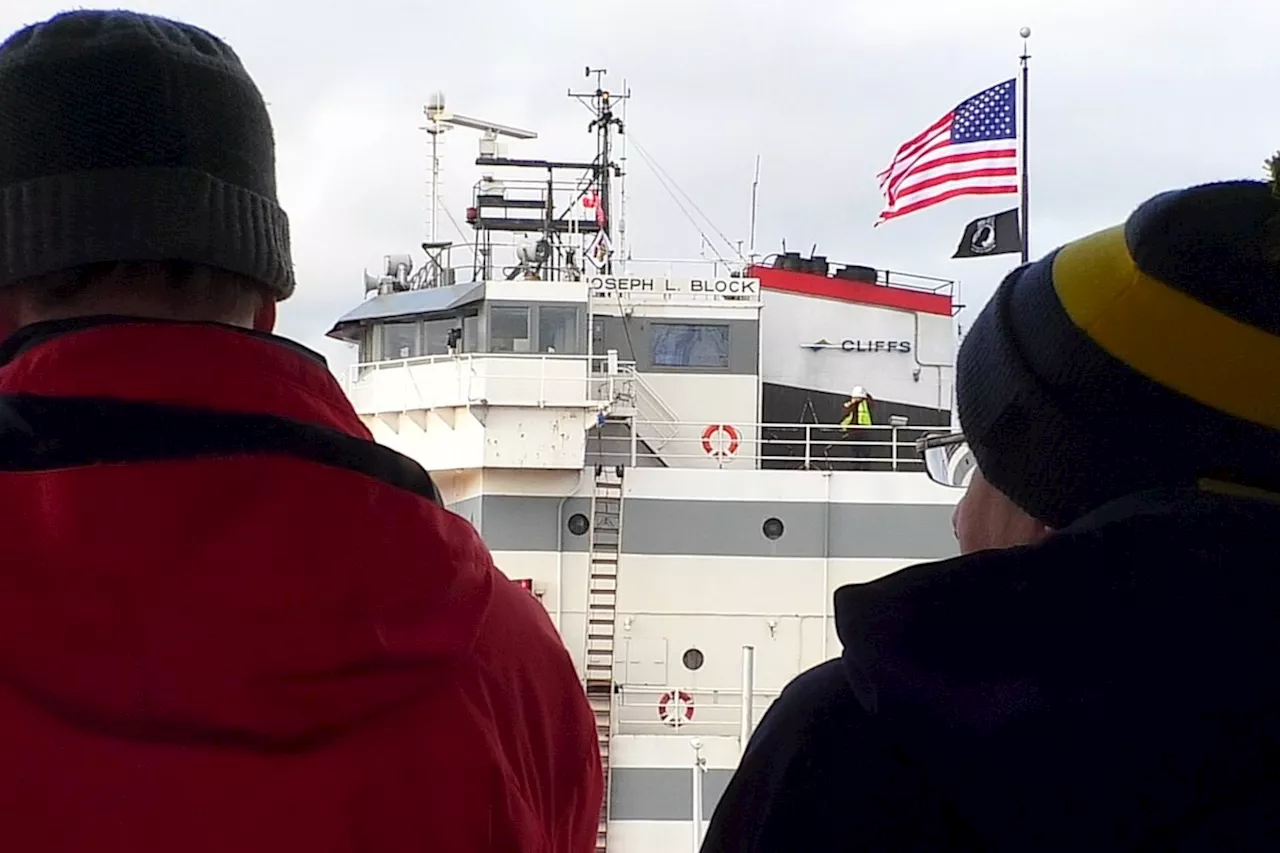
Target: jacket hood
column 257, row 600
column 1111, row 686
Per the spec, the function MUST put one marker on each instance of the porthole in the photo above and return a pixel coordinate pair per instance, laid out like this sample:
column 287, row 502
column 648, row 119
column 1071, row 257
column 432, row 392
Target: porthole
column 693, row 659
column 578, row 524
column 773, row 528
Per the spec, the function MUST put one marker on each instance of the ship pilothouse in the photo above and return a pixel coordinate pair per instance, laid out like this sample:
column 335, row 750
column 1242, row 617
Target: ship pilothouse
column 547, row 348
column 539, row 350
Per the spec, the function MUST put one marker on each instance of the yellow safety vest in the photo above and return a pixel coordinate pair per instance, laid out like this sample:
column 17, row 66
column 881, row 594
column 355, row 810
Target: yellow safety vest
column 862, row 410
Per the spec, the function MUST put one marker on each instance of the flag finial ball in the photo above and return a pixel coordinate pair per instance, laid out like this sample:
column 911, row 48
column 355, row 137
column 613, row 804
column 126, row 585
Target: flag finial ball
column 1025, row 32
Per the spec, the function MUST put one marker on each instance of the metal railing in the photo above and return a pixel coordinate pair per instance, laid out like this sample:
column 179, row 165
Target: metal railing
column 914, row 281
column 770, row 446
column 641, row 709
column 502, row 256
column 506, row 379
column 885, row 278
column 597, row 360
column 651, row 433
column 655, row 422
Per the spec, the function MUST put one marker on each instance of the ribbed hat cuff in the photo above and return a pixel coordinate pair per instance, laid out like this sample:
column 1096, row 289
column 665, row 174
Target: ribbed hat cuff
column 64, row 221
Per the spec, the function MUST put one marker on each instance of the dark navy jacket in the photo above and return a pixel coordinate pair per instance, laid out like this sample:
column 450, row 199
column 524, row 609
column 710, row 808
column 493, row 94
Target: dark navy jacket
column 1115, row 688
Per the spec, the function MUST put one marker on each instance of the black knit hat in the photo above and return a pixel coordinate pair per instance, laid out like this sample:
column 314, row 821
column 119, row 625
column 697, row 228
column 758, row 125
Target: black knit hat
column 1143, row 356
column 126, row 137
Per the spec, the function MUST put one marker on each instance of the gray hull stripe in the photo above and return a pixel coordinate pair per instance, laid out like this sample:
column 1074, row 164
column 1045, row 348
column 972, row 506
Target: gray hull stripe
column 661, row 793
column 724, row 528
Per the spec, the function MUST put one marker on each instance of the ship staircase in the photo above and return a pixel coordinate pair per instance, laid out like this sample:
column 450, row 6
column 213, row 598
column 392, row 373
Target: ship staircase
column 644, row 410
column 602, row 615
column 644, row 424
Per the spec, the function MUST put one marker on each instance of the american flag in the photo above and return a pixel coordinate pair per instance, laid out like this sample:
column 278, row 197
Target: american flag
column 972, row 150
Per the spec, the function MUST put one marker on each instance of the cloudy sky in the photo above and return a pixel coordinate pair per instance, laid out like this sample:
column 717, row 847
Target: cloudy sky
column 1128, row 97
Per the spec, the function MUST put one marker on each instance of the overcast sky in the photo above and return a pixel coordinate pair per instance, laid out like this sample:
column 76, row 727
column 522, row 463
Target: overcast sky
column 1129, row 97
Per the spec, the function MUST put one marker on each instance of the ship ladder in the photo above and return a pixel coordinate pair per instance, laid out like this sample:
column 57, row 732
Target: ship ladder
column 602, row 616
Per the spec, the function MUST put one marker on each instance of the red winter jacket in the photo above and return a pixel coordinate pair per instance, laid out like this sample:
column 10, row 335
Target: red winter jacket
column 231, row 623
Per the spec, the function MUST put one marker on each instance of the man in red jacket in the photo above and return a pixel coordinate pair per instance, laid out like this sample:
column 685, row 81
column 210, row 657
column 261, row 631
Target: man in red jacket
column 229, row 621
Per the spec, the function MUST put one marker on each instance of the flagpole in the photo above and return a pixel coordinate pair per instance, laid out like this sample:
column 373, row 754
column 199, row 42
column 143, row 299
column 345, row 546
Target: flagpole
column 1025, row 32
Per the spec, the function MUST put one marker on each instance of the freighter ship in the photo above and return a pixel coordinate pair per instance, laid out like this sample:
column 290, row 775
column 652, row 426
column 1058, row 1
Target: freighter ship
column 674, row 457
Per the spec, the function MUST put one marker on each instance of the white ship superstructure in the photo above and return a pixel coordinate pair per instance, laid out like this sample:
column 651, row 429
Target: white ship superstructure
column 654, row 451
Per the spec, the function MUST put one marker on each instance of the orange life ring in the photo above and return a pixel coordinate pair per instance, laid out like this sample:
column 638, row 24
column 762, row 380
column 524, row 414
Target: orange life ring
column 730, row 446
column 670, row 717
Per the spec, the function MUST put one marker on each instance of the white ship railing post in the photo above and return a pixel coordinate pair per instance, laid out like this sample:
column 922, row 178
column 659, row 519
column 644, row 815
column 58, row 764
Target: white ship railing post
column 896, row 422
column 747, row 722
column 808, row 446
column 699, row 764
column 611, row 368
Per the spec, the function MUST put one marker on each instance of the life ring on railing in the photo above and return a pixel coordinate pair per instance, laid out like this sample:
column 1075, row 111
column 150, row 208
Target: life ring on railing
column 683, row 708
column 719, row 447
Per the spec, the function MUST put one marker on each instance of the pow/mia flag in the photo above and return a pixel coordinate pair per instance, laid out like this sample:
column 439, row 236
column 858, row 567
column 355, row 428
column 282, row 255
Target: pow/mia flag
column 998, row 234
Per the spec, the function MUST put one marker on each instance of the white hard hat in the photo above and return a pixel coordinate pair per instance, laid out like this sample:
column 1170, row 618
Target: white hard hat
column 859, row 391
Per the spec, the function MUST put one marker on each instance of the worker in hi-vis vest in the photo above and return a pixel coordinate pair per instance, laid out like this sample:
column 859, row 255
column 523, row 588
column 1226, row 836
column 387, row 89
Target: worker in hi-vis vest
column 857, row 409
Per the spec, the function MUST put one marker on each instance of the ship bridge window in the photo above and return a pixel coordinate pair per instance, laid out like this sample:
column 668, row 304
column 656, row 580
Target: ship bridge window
column 366, row 345
column 690, row 345
column 471, row 333
column 400, row 340
column 558, row 329
column 435, row 335
column 508, row 328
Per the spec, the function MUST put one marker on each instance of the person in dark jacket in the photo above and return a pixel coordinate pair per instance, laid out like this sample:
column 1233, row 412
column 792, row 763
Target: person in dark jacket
column 229, row 621
column 1098, row 670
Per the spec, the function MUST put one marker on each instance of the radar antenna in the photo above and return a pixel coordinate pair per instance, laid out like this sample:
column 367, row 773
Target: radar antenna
column 440, row 120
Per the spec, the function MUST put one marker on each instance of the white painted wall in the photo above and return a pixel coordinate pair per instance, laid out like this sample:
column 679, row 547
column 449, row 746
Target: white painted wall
column 442, row 439
column 535, row 438
column 700, row 400
column 676, row 307
column 790, row 320
column 713, row 602
column 478, row 436
column 444, row 381
column 667, row 604
column 523, row 290
column 500, row 481
column 455, row 486
column 697, row 400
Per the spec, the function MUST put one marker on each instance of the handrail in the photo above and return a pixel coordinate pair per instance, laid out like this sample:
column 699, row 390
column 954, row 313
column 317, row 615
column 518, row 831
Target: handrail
column 638, row 709
column 884, row 278
column 767, row 445
column 429, row 275
column 435, row 359
column 667, row 414
column 653, row 433
column 598, row 363
column 542, row 379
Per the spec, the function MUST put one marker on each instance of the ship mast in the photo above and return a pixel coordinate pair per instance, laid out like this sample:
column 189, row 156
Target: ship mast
column 601, row 103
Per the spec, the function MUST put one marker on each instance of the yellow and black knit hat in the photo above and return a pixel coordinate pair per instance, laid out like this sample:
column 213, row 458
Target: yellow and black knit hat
column 1143, row 356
